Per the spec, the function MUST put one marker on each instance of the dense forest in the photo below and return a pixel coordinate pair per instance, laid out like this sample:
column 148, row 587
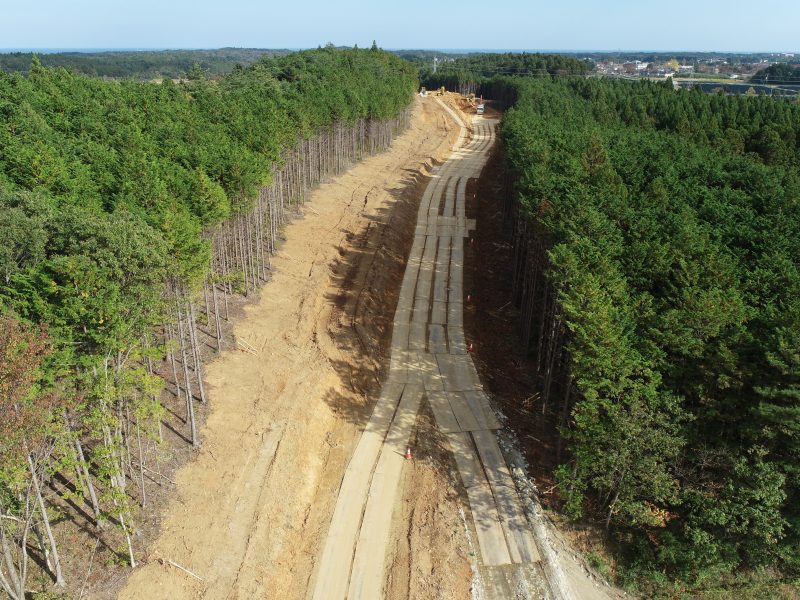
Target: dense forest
column 657, row 242
column 467, row 74
column 781, row 73
column 131, row 212
column 141, row 64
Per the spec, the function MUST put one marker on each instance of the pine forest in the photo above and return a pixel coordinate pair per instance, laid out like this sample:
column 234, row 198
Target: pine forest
column 130, row 214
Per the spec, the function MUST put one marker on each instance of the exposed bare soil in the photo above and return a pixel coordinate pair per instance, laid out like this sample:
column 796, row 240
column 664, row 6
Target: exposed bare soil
column 430, row 553
column 249, row 514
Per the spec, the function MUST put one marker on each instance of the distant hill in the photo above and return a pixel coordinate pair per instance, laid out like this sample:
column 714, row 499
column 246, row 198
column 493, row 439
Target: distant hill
column 428, row 55
column 147, row 64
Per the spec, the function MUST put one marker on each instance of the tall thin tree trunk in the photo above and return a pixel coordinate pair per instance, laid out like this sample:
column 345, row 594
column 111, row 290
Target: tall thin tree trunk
column 208, row 307
column 46, row 522
column 189, row 397
column 16, row 587
column 171, row 357
column 43, row 547
column 217, row 322
column 89, row 485
column 198, row 364
column 143, row 502
column 124, row 525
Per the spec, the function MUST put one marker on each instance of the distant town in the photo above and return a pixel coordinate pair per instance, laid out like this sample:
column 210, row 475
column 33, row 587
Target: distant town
column 732, row 67
column 772, row 73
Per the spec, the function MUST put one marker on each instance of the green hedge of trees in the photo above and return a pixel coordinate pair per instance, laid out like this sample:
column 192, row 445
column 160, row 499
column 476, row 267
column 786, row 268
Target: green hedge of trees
column 657, row 238
column 781, row 73
column 119, row 203
column 467, row 74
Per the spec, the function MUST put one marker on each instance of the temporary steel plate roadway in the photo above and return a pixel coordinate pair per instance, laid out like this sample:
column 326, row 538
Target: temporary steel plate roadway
column 429, row 358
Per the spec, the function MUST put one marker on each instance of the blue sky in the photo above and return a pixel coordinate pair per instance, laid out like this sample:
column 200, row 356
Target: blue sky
column 767, row 25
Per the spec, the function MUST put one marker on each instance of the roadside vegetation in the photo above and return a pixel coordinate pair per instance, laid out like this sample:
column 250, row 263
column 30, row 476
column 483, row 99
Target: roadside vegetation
column 124, row 207
column 657, row 244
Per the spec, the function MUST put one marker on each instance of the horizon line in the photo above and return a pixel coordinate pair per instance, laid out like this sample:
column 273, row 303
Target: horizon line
column 89, row 50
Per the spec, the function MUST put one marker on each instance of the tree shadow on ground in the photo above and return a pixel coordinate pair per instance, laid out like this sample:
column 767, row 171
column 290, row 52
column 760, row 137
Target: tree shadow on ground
column 367, row 275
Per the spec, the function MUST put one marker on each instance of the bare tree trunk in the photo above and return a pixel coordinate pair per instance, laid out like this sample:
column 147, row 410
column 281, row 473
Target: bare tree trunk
column 208, row 307
column 125, row 526
column 189, row 397
column 217, row 322
column 46, row 522
column 198, row 364
column 240, row 247
column 43, row 547
column 171, row 358
column 89, row 485
column 14, row 585
column 118, row 481
column 143, row 502
column 124, row 416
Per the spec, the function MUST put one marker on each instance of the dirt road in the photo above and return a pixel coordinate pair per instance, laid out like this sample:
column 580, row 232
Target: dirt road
column 430, row 358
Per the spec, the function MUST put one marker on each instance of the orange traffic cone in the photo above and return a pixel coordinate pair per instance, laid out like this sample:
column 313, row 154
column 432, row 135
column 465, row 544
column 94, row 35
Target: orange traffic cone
column 471, row 347
column 408, row 453
column 469, row 297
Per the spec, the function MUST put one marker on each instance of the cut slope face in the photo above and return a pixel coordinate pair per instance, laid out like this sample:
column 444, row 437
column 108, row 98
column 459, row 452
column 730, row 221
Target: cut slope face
column 430, row 358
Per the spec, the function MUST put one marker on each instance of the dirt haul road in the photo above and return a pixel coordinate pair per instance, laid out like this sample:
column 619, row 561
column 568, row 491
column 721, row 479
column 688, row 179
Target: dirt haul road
column 249, row 516
column 430, row 360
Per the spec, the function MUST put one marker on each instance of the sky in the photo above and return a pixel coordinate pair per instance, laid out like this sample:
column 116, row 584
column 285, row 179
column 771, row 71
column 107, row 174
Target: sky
column 692, row 25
